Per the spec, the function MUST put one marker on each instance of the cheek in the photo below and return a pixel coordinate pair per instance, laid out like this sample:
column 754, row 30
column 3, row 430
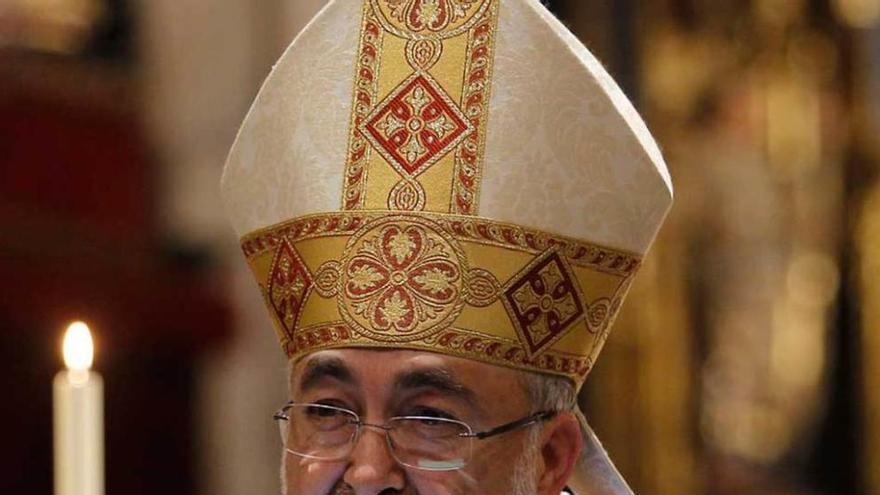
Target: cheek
column 452, row 483
column 492, row 465
column 489, row 472
column 475, row 480
column 304, row 477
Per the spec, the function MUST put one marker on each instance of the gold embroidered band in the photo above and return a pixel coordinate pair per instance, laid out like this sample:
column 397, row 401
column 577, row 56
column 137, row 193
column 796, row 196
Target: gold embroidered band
column 421, row 95
column 459, row 285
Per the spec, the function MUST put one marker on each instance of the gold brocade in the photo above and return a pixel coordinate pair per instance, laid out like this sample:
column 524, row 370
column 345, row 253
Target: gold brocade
column 460, row 285
column 419, row 118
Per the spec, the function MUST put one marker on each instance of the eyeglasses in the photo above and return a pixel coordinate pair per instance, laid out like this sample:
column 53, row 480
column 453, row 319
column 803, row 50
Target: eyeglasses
column 329, row 433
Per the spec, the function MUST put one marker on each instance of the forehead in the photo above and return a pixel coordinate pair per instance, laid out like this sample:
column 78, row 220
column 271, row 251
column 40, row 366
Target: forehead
column 376, row 370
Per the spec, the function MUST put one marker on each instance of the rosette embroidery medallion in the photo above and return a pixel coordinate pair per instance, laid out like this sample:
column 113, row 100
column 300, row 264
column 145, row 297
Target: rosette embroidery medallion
column 403, row 280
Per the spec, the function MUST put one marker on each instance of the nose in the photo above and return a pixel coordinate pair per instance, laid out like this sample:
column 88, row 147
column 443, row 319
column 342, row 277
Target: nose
column 372, row 469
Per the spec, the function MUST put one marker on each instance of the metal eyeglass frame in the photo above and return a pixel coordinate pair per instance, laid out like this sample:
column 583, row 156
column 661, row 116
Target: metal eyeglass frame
column 517, row 424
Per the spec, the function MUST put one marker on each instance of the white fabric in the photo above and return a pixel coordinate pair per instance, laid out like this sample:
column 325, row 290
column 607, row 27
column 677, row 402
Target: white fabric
column 289, row 156
column 566, row 151
column 594, row 473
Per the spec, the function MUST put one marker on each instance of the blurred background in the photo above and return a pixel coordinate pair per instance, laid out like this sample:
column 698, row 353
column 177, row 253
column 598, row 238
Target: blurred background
column 746, row 361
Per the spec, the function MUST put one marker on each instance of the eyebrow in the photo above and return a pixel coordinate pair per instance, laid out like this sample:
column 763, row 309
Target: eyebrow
column 321, row 368
column 440, row 380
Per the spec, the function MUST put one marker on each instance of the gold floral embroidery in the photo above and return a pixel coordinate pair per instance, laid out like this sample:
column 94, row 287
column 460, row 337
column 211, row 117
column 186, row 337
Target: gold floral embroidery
column 407, row 195
column 455, row 341
column 463, row 228
column 477, row 91
column 363, row 277
column 365, row 88
column 598, row 315
column 483, row 288
column 391, row 125
column 423, row 54
column 402, row 280
column 416, row 125
column 327, row 278
column 430, row 281
column 288, row 287
column 445, row 18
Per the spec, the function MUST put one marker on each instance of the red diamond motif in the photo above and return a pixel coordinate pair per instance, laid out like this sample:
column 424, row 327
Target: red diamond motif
column 289, row 285
column 417, row 125
column 544, row 302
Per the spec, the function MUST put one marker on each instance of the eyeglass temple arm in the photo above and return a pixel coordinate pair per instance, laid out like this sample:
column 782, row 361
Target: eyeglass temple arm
column 515, row 425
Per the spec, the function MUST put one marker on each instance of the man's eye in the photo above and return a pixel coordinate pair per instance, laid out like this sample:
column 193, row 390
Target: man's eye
column 322, row 412
column 323, row 418
column 430, row 412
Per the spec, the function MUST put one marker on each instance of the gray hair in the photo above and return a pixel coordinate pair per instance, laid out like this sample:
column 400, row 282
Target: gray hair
column 544, row 393
column 595, row 473
column 548, row 392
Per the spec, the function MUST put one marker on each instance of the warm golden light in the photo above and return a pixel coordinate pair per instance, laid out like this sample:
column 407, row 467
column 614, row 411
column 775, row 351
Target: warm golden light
column 78, row 347
column 63, row 26
column 858, row 13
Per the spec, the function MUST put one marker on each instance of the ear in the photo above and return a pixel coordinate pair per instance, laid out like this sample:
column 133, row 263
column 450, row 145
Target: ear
column 560, row 449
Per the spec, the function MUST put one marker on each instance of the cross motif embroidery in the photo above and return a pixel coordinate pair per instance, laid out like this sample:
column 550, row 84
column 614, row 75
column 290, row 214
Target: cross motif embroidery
column 416, row 126
column 289, row 285
column 544, row 303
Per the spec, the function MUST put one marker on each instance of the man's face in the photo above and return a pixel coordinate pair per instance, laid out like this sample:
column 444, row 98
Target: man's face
column 379, row 385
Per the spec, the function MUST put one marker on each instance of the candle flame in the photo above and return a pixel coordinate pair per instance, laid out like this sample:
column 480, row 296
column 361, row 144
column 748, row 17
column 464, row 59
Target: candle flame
column 78, row 348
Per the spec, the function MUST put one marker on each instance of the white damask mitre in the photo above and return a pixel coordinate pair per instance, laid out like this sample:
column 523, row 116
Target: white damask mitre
column 453, row 176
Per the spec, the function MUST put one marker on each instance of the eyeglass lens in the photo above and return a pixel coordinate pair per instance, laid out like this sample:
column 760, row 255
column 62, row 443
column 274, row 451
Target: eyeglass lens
column 321, row 432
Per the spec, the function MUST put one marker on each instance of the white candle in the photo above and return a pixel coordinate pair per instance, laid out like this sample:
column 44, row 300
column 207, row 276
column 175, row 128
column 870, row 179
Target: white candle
column 78, row 398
